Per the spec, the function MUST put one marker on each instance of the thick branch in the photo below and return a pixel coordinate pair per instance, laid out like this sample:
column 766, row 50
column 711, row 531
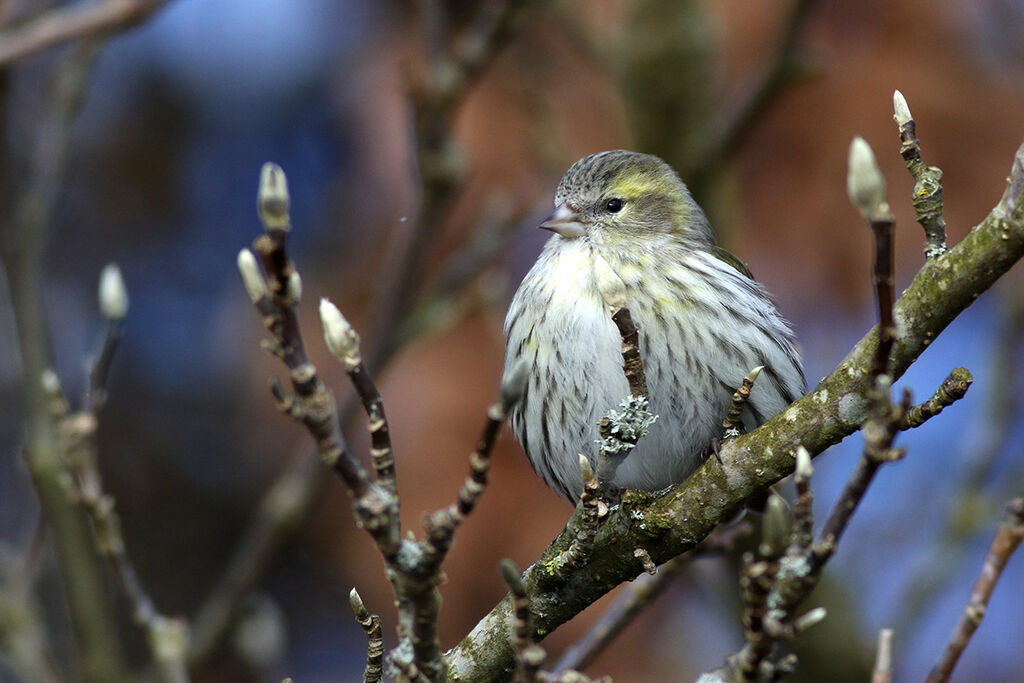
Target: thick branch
column 677, row 521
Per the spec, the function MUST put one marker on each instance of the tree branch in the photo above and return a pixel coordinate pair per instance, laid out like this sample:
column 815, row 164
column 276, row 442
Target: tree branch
column 927, row 195
column 1008, row 537
column 374, row 669
column 73, row 21
column 27, row 226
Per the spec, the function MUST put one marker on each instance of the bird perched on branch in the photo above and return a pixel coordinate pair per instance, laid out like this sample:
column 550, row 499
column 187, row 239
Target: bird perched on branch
column 628, row 234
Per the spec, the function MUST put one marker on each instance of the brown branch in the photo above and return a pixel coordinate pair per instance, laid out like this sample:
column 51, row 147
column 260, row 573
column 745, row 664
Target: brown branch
column 627, row 606
column 927, row 195
column 952, row 389
column 449, row 75
column 1008, row 537
column 70, row 22
column 530, row 656
column 28, row 221
column 381, row 451
column 586, row 522
column 736, row 122
column 413, row 567
column 632, row 363
column 867, row 191
column 281, row 509
column 733, row 423
column 640, row 593
column 313, row 403
column 442, row 524
column 374, row 670
column 167, row 637
column 262, row 537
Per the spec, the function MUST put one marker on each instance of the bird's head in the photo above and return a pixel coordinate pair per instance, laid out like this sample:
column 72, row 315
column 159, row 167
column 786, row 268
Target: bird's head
column 620, row 196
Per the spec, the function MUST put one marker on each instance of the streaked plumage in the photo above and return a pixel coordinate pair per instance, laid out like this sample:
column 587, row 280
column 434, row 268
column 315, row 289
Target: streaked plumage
column 704, row 324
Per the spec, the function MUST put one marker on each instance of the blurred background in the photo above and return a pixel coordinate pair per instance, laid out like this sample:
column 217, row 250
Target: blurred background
column 754, row 103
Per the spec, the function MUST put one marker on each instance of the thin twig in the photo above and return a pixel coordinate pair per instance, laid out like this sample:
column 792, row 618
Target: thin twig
column 866, row 187
column 620, row 432
column 381, row 451
column 756, row 579
column 313, row 403
column 781, row 576
column 1008, row 537
column 587, row 521
column 69, row 22
column 952, row 389
column 449, row 75
column 641, row 593
column 442, row 524
column 733, row 423
column 988, row 441
column 262, row 538
column 738, row 121
column 632, row 363
column 167, row 637
column 100, row 368
column 281, row 510
column 413, row 567
column 374, row 670
column 529, row 656
column 883, row 658
column 27, row 225
column 633, row 599
column 927, row 195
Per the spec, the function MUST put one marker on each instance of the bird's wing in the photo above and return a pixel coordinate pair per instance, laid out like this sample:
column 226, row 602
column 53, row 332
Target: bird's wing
column 726, row 257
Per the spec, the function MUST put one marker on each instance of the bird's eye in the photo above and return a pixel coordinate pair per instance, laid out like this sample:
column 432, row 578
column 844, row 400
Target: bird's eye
column 614, row 205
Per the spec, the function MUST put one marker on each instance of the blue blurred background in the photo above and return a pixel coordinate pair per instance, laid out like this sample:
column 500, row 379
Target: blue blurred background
column 182, row 111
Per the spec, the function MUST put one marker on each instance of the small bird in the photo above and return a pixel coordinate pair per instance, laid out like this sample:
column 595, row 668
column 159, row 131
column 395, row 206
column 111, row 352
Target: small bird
column 628, row 233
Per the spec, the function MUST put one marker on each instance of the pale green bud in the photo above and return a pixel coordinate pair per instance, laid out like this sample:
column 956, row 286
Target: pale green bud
column 295, row 286
column 900, row 109
column 252, row 278
column 272, row 198
column 342, row 340
column 113, row 295
column 864, row 181
column 804, row 469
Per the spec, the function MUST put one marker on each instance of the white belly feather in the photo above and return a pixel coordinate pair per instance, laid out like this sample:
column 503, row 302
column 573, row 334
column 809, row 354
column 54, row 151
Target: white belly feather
column 560, row 321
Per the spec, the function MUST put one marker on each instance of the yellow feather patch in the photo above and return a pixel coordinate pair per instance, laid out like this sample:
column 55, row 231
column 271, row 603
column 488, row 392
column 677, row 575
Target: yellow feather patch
column 631, row 184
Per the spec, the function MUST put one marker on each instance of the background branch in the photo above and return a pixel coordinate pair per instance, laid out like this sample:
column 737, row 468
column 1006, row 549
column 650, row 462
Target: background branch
column 69, row 22
column 25, row 235
column 1008, row 538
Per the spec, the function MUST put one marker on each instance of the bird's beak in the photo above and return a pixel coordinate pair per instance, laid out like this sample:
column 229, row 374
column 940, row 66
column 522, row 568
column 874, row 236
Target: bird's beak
column 565, row 222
